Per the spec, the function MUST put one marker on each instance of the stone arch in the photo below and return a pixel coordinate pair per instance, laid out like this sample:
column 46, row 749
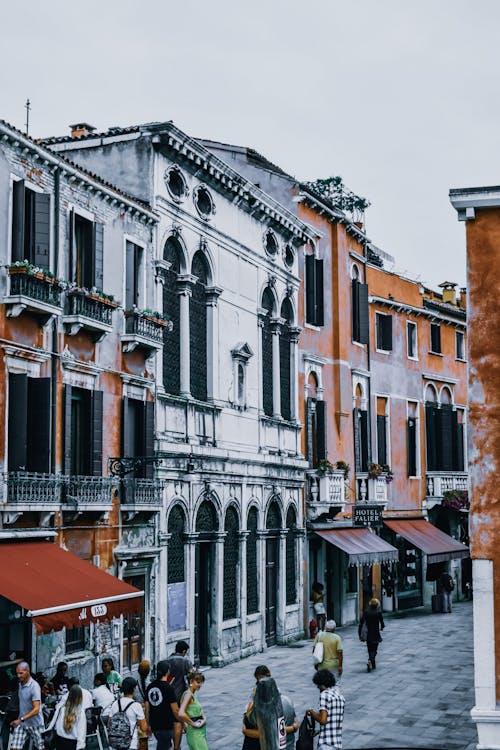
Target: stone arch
column 430, row 393
column 231, row 562
column 176, row 528
column 207, row 514
column 445, row 395
column 274, row 514
column 175, row 252
column 269, row 301
column 202, row 265
column 287, row 311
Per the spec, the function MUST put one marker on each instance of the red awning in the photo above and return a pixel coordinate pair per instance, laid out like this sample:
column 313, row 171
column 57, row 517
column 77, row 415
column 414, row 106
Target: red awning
column 437, row 545
column 362, row 545
column 59, row 589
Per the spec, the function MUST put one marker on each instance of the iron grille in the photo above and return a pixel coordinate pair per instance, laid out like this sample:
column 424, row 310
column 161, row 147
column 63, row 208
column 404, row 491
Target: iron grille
column 41, row 290
column 267, row 367
column 273, row 521
column 198, row 342
column 176, row 573
column 231, row 561
column 252, row 585
column 172, row 339
column 291, row 559
column 285, row 373
column 206, row 520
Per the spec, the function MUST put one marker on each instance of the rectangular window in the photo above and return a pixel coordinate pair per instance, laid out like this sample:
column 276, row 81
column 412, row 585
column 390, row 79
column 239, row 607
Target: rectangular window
column 133, row 275
column 435, row 338
column 459, row 345
column 412, row 440
column 29, row 423
column 411, row 340
column 76, row 639
column 384, row 332
column 86, row 256
column 359, row 301
column 30, row 225
column 382, row 438
column 314, row 291
column 138, row 432
column 83, row 420
column 361, row 445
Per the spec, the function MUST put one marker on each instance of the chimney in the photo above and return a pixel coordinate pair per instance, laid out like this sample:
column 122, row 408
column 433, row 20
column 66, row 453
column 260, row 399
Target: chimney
column 80, row 129
column 463, row 297
column 449, row 294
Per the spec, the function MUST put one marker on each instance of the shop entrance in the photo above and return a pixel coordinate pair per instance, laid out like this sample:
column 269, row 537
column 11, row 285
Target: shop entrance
column 204, row 593
column 272, row 561
column 133, row 628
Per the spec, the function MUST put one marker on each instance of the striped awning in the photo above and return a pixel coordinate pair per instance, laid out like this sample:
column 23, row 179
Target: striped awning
column 363, row 546
column 437, row 545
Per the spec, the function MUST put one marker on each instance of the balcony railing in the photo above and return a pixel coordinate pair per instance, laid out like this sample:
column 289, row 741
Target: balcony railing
column 143, row 325
column 33, row 291
column 90, row 307
column 85, row 490
column 32, row 488
column 439, row 482
column 370, row 490
column 324, row 491
column 145, row 492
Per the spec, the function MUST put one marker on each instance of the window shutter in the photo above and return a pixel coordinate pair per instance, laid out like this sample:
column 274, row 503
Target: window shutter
column 129, row 275
column 67, row 429
column 387, row 332
column 98, row 255
column 267, row 368
column 430, row 436
column 436, row 338
column 39, row 423
column 459, row 449
column 18, row 423
column 381, row 439
column 412, row 455
column 355, row 309
column 445, row 437
column 285, row 373
column 321, row 431
column 357, row 439
column 319, row 296
column 309, row 431
column 363, row 423
column 42, row 230
column 363, row 313
column 128, row 448
column 96, row 428
column 310, row 290
column 149, row 436
column 18, row 194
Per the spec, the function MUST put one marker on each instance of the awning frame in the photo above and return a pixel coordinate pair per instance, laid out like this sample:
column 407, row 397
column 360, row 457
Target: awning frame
column 80, row 605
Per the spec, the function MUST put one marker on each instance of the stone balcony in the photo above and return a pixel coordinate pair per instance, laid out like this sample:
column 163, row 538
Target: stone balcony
column 89, row 312
column 439, row 482
column 371, row 490
column 34, row 293
column 324, row 491
column 143, row 331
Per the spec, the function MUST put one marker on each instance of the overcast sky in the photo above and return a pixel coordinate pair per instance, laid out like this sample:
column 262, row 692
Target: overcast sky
column 399, row 97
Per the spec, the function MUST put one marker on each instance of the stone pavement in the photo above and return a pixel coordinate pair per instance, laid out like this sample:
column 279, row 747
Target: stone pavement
column 419, row 696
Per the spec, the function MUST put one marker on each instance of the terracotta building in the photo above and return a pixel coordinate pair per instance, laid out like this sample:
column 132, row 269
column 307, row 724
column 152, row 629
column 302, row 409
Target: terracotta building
column 480, row 209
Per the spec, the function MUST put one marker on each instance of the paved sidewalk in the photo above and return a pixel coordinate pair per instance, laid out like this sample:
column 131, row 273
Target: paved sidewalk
column 419, row 696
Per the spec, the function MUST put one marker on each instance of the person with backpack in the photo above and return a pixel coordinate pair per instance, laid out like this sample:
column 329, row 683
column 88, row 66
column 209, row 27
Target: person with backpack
column 125, row 716
column 445, row 588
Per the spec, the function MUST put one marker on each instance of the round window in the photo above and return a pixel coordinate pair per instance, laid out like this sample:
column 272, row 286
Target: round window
column 176, row 184
column 203, row 202
column 270, row 243
column 289, row 256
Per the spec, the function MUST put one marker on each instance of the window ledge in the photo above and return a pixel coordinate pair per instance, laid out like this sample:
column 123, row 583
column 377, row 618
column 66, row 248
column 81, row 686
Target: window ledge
column 413, row 359
column 383, row 351
column 313, row 327
column 436, row 354
column 460, row 359
column 358, row 343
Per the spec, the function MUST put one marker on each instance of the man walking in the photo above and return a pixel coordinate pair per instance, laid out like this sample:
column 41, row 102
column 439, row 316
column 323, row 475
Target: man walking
column 162, row 710
column 179, row 667
column 333, row 654
column 30, row 722
column 331, row 711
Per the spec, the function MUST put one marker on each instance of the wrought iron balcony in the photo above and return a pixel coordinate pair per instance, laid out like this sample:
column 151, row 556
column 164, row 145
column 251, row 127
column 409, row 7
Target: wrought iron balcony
column 90, row 312
column 34, row 491
column 33, row 292
column 87, row 492
column 142, row 493
column 143, row 331
column 32, row 488
column 371, row 489
column 324, row 491
column 439, row 482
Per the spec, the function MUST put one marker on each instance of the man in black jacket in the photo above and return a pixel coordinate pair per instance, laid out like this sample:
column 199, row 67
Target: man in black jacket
column 162, row 710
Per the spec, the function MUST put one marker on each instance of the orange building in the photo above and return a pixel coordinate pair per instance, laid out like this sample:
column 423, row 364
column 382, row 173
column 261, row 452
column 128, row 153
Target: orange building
column 480, row 209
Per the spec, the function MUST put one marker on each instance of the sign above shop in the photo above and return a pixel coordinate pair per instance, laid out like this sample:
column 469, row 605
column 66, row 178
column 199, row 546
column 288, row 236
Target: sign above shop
column 366, row 514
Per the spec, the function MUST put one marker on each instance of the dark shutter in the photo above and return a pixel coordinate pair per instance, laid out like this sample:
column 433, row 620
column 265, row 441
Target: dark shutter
column 18, row 194
column 364, row 329
column 363, row 424
column 96, row 432
column 387, row 328
column 128, row 446
column 18, row 422
column 149, row 436
column 67, row 429
column 355, row 309
column 381, row 439
column 446, row 438
column 267, row 368
column 412, row 453
column 42, row 230
column 39, row 424
column 310, row 290
column 285, row 373
column 357, row 439
column 321, row 431
column 72, row 247
column 459, row 447
column 98, row 255
column 310, row 438
column 430, row 436
column 319, row 296
column 129, row 275
column 436, row 338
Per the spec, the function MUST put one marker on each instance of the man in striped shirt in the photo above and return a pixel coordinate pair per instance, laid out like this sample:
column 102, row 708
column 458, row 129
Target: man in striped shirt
column 331, row 711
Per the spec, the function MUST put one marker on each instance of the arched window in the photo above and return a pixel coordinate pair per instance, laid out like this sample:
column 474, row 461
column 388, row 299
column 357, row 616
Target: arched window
column 285, row 360
column 252, row 582
column 198, row 328
column 231, row 562
column 175, row 549
column 291, row 558
column 172, row 253
column 206, row 518
column 273, row 520
column 267, row 353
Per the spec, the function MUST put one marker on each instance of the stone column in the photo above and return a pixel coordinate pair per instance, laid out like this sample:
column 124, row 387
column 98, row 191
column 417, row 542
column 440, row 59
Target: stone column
column 281, row 619
column 294, row 372
column 243, row 586
column 261, row 575
column 217, row 604
column 276, row 328
column 190, row 559
column 213, row 293
column 185, row 291
column 160, row 267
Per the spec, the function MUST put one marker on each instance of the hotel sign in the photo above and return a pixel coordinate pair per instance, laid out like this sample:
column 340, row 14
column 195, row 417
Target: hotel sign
column 367, row 514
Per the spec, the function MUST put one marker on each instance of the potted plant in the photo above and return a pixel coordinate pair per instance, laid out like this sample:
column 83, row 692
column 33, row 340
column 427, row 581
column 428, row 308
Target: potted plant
column 456, row 500
column 343, row 466
column 325, row 467
column 377, row 470
column 93, row 293
column 37, row 272
column 154, row 317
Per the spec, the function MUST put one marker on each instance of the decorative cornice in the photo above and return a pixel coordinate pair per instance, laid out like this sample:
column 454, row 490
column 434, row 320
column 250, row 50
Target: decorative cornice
column 404, row 307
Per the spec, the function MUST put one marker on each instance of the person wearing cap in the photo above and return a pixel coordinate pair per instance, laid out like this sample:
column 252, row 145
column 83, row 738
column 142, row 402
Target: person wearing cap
column 333, row 655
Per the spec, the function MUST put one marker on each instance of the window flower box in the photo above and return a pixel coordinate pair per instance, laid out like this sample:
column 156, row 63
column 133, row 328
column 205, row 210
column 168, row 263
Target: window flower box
column 33, row 289
column 144, row 329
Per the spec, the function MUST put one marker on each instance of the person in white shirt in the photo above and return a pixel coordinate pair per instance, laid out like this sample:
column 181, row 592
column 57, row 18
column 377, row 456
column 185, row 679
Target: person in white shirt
column 87, row 699
column 70, row 722
column 132, row 709
column 101, row 693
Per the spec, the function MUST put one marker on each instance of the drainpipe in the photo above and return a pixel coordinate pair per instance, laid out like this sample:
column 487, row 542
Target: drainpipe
column 55, row 343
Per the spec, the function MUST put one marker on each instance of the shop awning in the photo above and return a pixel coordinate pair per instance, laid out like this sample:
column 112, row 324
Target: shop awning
column 58, row 589
column 362, row 545
column 437, row 545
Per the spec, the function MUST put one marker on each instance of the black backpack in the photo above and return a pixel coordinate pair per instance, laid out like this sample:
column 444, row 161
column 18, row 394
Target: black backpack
column 119, row 732
column 305, row 740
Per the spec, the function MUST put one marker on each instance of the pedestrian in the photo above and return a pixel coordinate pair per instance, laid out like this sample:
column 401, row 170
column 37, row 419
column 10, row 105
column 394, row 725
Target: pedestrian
column 87, row 697
column 333, row 654
column 445, row 589
column 132, row 710
column 179, row 666
column 60, row 679
column 102, row 695
column 250, row 730
column 374, row 621
column 69, row 721
column 113, row 679
column 162, row 710
column 331, row 711
column 318, row 604
column 29, row 723
column 269, row 714
column 141, row 695
column 191, row 713
column 291, row 721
